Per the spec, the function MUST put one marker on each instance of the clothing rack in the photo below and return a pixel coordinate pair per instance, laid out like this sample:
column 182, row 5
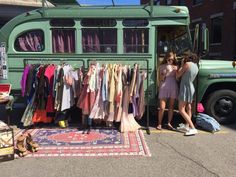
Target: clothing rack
column 61, row 61
column 26, row 61
column 147, row 90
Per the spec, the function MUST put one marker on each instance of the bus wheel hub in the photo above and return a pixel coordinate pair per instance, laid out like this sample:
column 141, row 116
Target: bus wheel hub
column 224, row 106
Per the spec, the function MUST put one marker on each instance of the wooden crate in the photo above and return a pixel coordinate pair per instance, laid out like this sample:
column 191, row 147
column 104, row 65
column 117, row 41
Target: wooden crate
column 6, row 142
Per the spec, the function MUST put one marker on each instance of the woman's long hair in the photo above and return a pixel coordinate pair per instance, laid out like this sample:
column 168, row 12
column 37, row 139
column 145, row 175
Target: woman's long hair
column 168, row 55
column 192, row 57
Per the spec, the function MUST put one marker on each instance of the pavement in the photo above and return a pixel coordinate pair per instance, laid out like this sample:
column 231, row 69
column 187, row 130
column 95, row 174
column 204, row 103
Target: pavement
column 173, row 155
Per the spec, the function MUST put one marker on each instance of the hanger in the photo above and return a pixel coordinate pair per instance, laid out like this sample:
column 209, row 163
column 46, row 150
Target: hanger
column 62, row 62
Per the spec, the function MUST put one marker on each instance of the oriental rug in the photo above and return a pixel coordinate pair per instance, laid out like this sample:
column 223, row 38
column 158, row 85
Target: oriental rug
column 71, row 142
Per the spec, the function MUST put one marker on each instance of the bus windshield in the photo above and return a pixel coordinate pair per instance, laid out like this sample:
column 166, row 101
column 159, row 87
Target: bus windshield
column 181, row 44
column 174, row 38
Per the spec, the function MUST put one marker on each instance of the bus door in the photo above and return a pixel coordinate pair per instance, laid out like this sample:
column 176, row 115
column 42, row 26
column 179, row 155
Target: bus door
column 172, row 38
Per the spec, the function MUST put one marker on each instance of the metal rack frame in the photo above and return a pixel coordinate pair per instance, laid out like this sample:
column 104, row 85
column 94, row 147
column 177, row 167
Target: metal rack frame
column 26, row 61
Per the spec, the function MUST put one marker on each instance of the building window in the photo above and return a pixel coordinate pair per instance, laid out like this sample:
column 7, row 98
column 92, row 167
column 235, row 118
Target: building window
column 135, row 40
column 156, row 2
column 30, row 41
column 99, row 40
column 181, row 2
column 63, row 40
column 195, row 2
column 168, row 2
column 216, row 29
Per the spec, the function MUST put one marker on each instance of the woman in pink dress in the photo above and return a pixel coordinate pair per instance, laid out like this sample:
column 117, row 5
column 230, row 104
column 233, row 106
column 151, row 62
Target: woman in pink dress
column 168, row 88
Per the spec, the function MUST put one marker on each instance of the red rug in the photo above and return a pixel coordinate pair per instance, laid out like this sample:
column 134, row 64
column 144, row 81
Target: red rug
column 98, row 143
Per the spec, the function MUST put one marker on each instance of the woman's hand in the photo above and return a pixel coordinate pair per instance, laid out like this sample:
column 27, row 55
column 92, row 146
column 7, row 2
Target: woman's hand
column 182, row 70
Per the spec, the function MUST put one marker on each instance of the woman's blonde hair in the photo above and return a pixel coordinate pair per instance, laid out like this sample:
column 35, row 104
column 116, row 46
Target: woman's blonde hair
column 168, row 55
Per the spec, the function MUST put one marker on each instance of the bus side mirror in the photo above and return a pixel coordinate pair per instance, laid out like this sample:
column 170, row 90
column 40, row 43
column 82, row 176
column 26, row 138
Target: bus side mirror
column 205, row 37
column 201, row 40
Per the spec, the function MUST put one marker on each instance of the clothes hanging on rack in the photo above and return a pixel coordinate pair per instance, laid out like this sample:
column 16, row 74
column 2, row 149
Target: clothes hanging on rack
column 87, row 96
column 53, row 90
column 49, row 74
column 128, row 122
column 59, row 85
column 98, row 111
column 103, row 93
column 67, row 94
column 107, row 92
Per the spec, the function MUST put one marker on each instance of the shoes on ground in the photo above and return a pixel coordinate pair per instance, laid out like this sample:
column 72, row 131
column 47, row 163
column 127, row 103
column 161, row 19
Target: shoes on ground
column 191, row 131
column 169, row 127
column 182, row 128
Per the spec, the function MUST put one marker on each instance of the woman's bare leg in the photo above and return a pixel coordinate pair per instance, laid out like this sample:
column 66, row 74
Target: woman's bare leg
column 189, row 109
column 189, row 112
column 171, row 111
column 184, row 114
column 161, row 112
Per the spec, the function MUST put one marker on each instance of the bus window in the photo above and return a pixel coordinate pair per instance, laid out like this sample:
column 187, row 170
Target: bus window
column 30, row 41
column 62, row 22
column 135, row 22
column 98, row 22
column 63, row 40
column 135, row 40
column 102, row 40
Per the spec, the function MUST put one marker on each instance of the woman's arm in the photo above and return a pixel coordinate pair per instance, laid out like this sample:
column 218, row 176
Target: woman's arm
column 182, row 70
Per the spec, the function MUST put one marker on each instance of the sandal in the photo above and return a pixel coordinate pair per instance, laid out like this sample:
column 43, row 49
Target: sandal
column 169, row 127
column 159, row 127
column 21, row 146
column 31, row 144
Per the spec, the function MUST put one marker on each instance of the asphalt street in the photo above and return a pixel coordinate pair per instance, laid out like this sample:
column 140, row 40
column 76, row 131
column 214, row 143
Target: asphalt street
column 173, row 154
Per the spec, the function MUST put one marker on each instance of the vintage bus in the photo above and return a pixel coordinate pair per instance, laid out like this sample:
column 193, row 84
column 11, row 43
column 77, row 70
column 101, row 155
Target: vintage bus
column 124, row 34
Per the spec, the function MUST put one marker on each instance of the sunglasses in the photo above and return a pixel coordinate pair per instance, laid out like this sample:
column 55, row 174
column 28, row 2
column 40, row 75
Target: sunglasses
column 170, row 60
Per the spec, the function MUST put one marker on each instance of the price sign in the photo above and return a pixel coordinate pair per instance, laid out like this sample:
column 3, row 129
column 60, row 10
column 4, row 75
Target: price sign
column 3, row 61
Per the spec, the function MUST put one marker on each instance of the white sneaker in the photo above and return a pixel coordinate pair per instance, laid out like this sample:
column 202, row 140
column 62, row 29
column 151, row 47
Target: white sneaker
column 182, row 128
column 191, row 131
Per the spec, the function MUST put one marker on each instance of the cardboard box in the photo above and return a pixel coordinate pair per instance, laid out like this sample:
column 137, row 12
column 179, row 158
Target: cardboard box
column 6, row 142
column 5, row 90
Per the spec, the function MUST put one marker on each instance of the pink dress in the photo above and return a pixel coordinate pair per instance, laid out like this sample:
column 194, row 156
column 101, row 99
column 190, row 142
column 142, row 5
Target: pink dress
column 168, row 87
column 128, row 122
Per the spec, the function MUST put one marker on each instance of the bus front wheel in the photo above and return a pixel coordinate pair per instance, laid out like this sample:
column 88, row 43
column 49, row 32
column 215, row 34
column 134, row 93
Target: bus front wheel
column 221, row 105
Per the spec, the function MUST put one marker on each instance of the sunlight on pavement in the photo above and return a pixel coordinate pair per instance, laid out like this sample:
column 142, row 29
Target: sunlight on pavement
column 199, row 132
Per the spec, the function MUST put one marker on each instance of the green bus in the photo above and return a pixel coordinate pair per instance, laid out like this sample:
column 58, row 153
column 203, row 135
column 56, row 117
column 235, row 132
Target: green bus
column 123, row 34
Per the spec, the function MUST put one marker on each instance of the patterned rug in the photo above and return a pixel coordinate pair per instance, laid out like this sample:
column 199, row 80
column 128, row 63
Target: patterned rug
column 98, row 143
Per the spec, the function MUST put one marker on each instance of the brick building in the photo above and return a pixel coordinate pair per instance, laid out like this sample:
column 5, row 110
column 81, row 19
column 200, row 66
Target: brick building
column 219, row 17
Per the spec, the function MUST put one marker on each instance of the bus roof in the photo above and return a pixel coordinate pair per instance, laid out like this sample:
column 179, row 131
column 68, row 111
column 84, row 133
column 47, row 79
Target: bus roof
column 95, row 12
column 115, row 11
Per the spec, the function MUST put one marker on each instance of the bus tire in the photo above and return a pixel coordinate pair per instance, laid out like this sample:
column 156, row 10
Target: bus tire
column 221, row 105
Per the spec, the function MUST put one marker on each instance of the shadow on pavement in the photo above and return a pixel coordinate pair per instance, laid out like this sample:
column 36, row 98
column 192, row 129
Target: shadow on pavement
column 16, row 114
